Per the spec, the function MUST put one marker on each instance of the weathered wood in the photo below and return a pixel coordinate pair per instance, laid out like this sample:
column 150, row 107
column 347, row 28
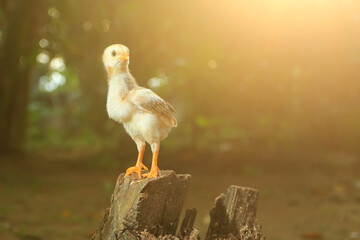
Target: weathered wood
column 144, row 209
column 150, row 209
column 234, row 215
column 188, row 222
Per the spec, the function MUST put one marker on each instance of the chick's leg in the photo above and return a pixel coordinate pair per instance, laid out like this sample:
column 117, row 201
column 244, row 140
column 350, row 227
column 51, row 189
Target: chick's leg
column 155, row 148
column 139, row 165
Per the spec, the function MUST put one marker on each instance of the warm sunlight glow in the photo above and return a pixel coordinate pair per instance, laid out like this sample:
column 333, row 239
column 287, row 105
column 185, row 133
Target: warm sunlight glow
column 53, row 12
column 158, row 81
column 43, row 43
column 58, row 64
column 105, row 23
column 49, row 84
column 43, row 57
column 87, row 26
column 264, row 94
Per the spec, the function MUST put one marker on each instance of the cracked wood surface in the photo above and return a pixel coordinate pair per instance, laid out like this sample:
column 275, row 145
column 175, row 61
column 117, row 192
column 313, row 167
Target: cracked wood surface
column 146, row 205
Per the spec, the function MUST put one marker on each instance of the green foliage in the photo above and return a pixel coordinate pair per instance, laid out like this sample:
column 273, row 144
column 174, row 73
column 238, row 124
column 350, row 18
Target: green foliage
column 233, row 87
column 206, row 122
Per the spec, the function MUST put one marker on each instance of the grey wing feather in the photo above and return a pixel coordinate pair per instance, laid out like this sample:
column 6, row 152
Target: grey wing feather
column 147, row 100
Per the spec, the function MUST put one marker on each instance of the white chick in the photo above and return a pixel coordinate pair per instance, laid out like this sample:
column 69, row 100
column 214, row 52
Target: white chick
column 146, row 117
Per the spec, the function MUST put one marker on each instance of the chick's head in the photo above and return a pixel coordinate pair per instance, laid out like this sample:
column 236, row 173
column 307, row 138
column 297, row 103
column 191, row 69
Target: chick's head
column 116, row 56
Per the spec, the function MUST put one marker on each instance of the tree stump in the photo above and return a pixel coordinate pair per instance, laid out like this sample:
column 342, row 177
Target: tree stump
column 150, row 209
column 234, row 215
column 187, row 226
column 144, row 209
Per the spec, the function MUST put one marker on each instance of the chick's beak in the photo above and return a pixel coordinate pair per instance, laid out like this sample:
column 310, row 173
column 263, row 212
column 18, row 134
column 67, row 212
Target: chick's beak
column 124, row 56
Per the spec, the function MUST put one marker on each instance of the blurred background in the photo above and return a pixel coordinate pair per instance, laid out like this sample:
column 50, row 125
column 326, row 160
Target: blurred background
column 267, row 95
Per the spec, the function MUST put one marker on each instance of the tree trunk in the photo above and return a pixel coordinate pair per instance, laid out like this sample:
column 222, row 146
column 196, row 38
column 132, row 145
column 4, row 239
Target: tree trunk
column 16, row 60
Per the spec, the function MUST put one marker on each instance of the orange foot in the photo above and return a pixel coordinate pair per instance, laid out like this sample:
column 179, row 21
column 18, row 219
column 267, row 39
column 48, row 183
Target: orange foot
column 135, row 169
column 153, row 173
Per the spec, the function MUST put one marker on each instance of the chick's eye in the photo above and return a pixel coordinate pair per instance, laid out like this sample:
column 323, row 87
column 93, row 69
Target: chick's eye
column 113, row 53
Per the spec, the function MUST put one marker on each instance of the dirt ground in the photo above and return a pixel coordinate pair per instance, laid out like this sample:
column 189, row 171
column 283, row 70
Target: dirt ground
column 62, row 195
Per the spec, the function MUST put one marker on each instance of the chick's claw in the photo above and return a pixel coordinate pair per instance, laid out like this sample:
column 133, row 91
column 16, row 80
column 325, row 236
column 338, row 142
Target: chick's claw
column 153, row 173
column 132, row 170
column 144, row 167
column 135, row 169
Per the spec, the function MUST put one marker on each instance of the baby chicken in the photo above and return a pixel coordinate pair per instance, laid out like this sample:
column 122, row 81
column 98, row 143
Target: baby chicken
column 146, row 117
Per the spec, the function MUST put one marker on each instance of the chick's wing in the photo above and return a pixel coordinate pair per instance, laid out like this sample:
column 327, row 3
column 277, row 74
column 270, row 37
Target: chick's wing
column 148, row 101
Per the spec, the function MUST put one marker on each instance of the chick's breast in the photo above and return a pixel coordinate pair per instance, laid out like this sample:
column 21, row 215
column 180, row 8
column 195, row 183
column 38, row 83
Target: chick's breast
column 120, row 110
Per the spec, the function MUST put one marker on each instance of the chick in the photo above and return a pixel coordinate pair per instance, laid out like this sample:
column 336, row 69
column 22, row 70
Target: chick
column 146, row 117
